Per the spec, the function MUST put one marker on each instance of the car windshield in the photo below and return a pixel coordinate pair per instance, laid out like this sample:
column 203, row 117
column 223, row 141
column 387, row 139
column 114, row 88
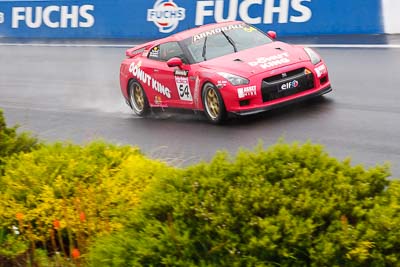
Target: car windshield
column 224, row 40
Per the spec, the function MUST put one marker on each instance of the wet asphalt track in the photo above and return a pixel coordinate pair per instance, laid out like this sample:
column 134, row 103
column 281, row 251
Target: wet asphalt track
column 72, row 93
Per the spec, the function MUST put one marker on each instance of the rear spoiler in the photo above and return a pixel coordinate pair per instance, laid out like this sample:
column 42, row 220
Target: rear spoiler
column 137, row 50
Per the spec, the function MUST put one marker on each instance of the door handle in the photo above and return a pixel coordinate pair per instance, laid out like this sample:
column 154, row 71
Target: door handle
column 156, row 70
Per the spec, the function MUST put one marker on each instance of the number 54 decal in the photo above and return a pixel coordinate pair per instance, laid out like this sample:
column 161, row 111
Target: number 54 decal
column 182, row 83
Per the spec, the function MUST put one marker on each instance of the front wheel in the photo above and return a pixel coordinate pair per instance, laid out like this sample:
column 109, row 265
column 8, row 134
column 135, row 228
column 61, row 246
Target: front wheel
column 214, row 106
column 138, row 99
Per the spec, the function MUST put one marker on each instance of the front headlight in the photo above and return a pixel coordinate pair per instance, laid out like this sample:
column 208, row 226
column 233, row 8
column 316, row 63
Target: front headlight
column 315, row 59
column 234, row 79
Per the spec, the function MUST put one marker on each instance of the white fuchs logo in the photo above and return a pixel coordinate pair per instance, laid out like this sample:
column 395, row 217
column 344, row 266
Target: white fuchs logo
column 166, row 15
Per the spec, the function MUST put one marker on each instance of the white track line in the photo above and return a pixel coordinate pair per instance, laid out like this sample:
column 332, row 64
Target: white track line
column 68, row 45
column 133, row 45
column 353, row 45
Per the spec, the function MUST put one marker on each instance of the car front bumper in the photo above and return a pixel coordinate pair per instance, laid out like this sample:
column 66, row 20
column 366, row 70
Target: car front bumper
column 285, row 103
column 276, row 88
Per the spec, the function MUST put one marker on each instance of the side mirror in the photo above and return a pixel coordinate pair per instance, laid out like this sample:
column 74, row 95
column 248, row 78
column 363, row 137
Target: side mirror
column 272, row 34
column 175, row 62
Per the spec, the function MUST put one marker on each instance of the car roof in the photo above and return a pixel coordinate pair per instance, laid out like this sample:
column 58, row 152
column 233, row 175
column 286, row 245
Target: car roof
column 194, row 31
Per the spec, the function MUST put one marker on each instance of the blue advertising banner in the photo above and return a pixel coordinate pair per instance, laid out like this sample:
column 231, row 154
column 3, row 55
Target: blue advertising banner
column 149, row 19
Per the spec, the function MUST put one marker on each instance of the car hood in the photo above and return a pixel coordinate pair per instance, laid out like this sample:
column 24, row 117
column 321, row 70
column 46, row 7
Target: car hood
column 256, row 60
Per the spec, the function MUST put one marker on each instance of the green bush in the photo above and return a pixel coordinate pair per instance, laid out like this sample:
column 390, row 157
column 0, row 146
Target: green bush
column 61, row 196
column 106, row 205
column 11, row 142
column 291, row 205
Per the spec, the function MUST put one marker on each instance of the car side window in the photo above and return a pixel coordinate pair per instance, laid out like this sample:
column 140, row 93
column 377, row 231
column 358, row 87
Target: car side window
column 166, row 51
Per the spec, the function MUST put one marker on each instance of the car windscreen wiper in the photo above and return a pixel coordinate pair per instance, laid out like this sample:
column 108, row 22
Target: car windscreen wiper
column 230, row 41
column 204, row 49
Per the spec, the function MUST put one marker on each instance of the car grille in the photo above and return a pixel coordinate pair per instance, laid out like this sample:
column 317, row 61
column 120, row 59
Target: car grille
column 286, row 84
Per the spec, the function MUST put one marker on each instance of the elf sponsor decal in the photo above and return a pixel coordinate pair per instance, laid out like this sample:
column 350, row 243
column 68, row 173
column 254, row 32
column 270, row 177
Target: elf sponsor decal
column 182, row 83
column 267, row 62
column 166, row 15
column 289, row 85
column 263, row 11
column 247, row 91
column 202, row 35
column 142, row 76
column 53, row 16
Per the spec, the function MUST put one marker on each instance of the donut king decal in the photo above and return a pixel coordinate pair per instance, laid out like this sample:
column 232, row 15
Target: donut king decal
column 182, row 83
column 205, row 34
column 275, row 60
column 145, row 78
column 166, row 15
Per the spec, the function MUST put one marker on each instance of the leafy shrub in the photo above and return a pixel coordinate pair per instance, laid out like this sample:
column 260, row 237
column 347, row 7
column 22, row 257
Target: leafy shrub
column 11, row 142
column 61, row 196
column 291, row 205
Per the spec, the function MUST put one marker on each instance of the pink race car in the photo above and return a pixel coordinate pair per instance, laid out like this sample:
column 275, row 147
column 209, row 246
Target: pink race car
column 222, row 68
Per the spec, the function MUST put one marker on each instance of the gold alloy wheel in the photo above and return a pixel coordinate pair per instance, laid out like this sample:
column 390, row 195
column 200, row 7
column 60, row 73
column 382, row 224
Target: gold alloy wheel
column 138, row 97
column 212, row 103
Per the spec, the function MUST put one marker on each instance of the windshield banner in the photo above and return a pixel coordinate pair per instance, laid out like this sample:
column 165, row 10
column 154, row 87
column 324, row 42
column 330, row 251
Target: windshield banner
column 159, row 18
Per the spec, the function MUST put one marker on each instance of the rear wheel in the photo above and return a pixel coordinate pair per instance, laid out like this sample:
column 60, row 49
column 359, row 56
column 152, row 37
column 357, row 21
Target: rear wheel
column 214, row 106
column 138, row 99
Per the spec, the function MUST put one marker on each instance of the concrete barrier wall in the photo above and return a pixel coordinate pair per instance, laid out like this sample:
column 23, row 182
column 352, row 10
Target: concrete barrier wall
column 148, row 19
column 391, row 16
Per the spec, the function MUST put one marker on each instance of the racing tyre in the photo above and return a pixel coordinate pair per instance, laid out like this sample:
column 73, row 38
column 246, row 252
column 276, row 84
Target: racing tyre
column 138, row 99
column 214, row 106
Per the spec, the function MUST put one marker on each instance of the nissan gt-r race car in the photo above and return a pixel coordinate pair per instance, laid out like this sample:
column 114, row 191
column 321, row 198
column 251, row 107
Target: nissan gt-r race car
column 221, row 68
